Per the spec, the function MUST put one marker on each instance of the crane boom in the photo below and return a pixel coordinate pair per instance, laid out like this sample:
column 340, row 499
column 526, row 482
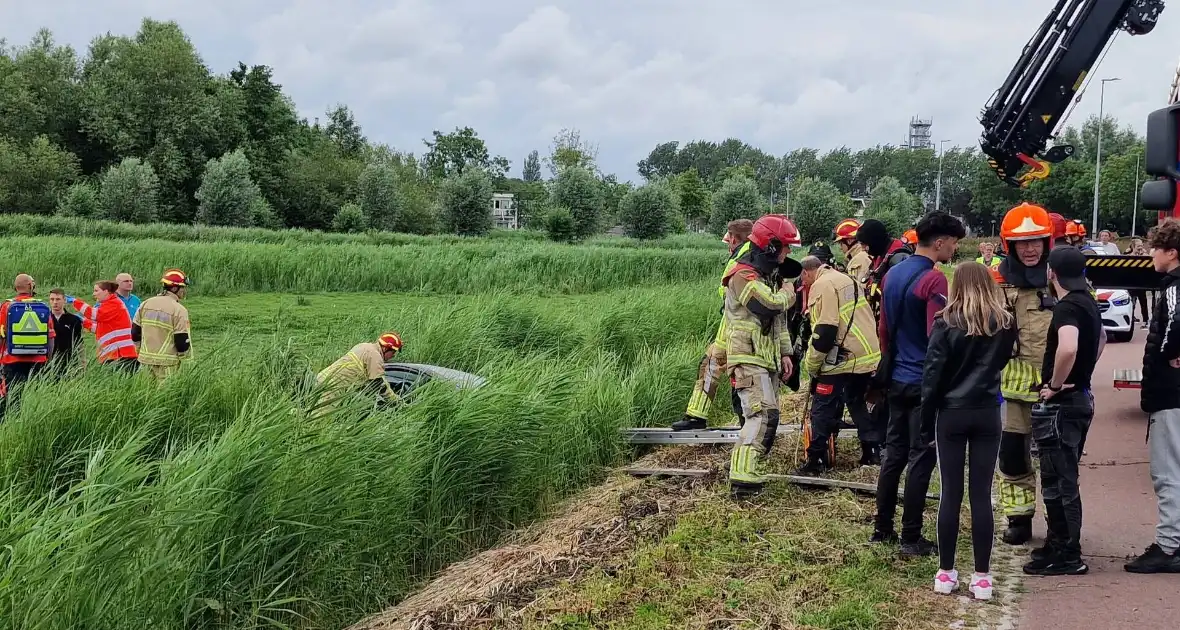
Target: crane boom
column 1020, row 118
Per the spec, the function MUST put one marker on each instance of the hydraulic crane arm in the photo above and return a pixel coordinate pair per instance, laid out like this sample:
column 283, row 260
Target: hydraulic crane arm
column 1019, row 120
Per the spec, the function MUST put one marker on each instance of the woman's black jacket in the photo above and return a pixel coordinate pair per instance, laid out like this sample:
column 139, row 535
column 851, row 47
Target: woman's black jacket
column 962, row 371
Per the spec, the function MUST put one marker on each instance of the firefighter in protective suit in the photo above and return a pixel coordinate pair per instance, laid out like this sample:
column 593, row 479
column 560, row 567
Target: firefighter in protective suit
column 859, row 263
column 759, row 345
column 362, row 368
column 161, row 327
column 713, row 363
column 1026, row 236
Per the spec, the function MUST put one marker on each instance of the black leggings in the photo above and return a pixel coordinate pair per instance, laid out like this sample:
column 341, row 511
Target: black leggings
column 955, row 430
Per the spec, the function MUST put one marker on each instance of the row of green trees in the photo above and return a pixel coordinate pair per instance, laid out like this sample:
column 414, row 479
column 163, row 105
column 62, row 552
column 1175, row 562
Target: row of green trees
column 140, row 130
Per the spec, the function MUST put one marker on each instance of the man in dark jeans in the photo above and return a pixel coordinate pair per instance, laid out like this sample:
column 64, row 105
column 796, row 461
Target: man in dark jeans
column 912, row 292
column 1062, row 419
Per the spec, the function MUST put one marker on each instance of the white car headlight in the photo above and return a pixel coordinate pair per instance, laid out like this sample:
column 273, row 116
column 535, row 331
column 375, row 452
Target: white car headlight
column 1121, row 301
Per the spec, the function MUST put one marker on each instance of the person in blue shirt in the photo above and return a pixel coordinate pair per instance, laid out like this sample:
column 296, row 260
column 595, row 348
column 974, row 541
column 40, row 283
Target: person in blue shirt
column 130, row 300
column 912, row 292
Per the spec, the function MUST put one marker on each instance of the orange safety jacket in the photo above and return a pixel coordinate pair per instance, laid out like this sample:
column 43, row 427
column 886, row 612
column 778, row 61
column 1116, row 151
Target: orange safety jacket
column 111, row 325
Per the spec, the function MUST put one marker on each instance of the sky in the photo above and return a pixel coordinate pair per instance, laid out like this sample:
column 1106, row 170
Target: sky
column 630, row 74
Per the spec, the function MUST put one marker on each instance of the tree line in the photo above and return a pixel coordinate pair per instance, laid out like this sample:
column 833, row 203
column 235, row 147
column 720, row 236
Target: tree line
column 140, row 130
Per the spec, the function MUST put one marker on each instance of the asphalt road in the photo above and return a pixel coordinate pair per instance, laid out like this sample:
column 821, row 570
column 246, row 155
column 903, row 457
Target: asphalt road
column 1119, row 516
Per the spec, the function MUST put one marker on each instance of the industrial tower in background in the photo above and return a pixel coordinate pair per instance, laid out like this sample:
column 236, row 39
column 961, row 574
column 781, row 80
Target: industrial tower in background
column 920, row 133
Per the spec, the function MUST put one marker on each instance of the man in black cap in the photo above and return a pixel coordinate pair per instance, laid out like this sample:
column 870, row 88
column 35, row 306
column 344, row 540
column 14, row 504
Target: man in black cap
column 1062, row 418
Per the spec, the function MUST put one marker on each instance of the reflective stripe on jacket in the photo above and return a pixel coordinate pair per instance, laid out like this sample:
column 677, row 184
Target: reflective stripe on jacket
column 750, row 341
column 835, row 299
column 1021, row 376
column 111, row 325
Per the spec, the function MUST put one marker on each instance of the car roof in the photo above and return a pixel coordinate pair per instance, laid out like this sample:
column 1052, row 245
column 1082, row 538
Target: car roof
column 462, row 379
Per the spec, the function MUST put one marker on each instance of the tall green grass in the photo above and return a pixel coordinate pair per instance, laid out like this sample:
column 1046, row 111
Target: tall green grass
column 190, row 518
column 478, row 267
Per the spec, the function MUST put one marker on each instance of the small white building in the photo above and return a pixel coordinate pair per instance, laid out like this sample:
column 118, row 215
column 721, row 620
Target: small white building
column 504, row 211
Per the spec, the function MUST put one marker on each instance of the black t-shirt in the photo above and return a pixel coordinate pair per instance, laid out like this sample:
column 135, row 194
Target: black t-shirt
column 68, row 335
column 1077, row 309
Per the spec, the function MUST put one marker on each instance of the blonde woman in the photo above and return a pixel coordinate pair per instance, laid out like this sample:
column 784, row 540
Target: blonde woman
column 971, row 341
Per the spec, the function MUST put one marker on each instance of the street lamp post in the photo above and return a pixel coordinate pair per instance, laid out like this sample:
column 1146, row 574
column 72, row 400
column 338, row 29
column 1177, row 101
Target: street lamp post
column 1098, row 153
column 938, row 185
column 1135, row 199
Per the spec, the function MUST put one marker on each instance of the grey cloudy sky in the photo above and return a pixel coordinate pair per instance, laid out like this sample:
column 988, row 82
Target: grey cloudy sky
column 629, row 74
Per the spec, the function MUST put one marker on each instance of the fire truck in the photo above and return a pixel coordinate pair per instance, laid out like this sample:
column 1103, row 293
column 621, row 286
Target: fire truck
column 1020, row 120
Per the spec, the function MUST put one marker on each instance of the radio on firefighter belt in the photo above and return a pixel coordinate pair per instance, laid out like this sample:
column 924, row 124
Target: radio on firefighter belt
column 830, row 360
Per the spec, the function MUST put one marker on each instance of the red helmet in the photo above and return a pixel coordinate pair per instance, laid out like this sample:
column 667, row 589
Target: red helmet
column 774, row 227
column 846, row 229
column 174, row 278
column 390, row 341
column 1058, row 223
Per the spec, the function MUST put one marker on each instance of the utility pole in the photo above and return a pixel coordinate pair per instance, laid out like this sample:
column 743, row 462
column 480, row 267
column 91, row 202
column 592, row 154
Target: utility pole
column 1135, row 202
column 1098, row 153
column 938, row 185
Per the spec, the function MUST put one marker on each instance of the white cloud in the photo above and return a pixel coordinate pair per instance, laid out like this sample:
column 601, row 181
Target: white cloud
column 777, row 74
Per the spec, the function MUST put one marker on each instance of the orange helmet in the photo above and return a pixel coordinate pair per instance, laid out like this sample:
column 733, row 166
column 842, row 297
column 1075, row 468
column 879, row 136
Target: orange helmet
column 910, row 237
column 774, row 227
column 1081, row 228
column 1025, row 222
column 174, row 278
column 390, row 341
column 846, row 230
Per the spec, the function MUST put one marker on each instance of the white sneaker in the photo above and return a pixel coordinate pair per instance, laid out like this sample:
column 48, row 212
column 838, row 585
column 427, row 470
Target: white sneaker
column 981, row 585
column 945, row 582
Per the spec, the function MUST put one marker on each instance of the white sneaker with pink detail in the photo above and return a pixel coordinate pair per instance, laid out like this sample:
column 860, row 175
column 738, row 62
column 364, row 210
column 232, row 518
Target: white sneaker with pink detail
column 981, row 585
column 945, row 582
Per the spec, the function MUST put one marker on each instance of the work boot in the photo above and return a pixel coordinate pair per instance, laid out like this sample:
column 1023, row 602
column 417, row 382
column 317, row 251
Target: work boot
column 1019, row 530
column 813, row 468
column 889, row 537
column 1155, row 560
column 919, row 547
column 689, row 423
column 870, row 454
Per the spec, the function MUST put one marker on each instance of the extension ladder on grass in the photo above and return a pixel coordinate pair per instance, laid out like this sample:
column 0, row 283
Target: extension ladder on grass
column 715, row 435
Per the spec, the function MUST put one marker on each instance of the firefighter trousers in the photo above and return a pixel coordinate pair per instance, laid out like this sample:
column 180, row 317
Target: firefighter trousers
column 757, row 389
column 710, row 373
column 1018, row 480
column 831, row 395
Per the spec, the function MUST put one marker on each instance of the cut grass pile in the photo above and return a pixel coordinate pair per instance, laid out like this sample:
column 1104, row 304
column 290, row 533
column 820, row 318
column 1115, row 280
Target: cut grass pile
column 479, row 266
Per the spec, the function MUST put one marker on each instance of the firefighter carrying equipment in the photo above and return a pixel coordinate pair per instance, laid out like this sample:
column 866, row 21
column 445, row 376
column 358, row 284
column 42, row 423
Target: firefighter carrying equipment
column 358, row 368
column 162, row 329
column 844, row 332
column 27, row 329
column 111, row 325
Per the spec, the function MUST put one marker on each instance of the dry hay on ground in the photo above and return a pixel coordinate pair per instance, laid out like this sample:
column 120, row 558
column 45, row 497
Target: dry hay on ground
column 602, row 522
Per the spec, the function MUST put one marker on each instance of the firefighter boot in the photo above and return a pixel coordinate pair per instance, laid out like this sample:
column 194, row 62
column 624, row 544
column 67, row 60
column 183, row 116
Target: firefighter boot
column 689, row 423
column 1019, row 530
column 813, row 467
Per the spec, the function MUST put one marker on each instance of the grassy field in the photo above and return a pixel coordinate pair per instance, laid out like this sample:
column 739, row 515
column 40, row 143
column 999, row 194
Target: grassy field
column 214, row 502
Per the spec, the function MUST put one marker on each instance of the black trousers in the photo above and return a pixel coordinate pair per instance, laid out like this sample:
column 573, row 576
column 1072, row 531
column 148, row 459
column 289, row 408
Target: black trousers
column 1060, row 430
column 967, row 438
column 904, row 449
column 830, row 396
column 15, row 376
column 128, row 366
column 1141, row 297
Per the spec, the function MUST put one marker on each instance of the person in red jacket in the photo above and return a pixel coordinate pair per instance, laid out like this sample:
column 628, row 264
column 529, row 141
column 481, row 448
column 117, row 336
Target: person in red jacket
column 111, row 324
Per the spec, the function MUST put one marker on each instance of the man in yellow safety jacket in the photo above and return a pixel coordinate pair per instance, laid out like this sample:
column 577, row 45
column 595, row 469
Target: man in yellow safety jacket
column 840, row 360
column 859, row 262
column 161, row 327
column 712, row 366
column 987, row 255
column 362, row 368
column 1026, row 234
column 759, row 345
